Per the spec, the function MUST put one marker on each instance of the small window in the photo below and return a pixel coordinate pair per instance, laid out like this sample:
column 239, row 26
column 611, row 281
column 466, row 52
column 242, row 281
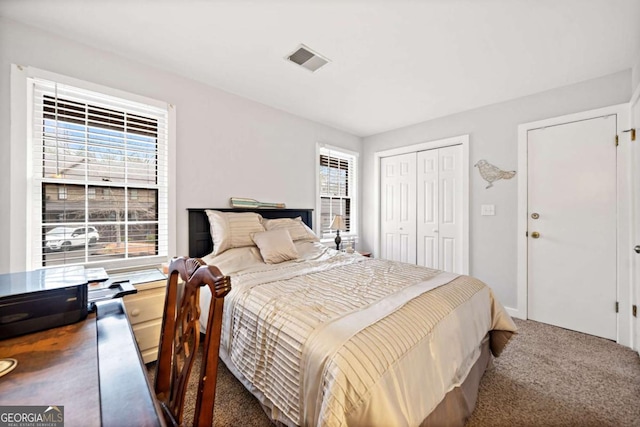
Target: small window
column 62, row 192
column 338, row 190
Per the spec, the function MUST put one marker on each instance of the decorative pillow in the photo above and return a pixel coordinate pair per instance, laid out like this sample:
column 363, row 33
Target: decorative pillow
column 297, row 228
column 233, row 229
column 275, row 246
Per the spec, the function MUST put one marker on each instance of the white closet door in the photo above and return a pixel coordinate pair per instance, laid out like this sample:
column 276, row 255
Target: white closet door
column 440, row 216
column 450, row 227
column 398, row 208
column 428, row 209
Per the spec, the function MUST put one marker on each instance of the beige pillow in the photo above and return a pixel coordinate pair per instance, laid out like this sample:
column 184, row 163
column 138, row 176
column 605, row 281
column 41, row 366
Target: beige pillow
column 275, row 246
column 295, row 226
column 233, row 229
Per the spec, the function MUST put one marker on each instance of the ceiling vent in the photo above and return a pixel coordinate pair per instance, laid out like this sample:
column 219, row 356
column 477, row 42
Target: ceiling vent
column 306, row 58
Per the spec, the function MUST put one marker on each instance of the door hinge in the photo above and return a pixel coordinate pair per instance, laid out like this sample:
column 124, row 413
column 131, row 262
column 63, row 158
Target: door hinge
column 617, row 307
column 616, row 140
column 634, row 310
column 526, row 233
column 633, row 133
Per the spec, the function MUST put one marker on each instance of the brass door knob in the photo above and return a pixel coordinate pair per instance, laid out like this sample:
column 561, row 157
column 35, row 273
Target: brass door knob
column 535, row 234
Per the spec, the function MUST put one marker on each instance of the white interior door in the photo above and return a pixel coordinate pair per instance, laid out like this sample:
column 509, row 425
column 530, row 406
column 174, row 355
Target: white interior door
column 572, row 205
column 440, row 215
column 428, row 209
column 450, row 228
column 635, row 122
column 635, row 299
column 398, row 208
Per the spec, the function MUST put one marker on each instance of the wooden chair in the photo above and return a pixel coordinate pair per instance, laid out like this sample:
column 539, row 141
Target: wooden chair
column 181, row 335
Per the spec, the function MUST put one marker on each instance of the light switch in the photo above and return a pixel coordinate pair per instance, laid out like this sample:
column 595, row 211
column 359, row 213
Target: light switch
column 486, row 210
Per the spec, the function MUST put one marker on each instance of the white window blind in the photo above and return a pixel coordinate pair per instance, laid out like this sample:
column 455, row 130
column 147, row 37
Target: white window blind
column 100, row 177
column 338, row 189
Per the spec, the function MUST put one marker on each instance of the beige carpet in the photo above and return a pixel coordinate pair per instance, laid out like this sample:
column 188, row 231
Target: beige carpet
column 547, row 376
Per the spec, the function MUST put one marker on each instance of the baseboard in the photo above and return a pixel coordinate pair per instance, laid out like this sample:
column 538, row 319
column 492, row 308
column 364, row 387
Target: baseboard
column 514, row 312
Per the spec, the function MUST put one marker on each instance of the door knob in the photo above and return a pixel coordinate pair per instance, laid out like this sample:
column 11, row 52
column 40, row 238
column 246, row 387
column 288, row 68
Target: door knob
column 637, row 249
column 535, row 234
column 535, row 215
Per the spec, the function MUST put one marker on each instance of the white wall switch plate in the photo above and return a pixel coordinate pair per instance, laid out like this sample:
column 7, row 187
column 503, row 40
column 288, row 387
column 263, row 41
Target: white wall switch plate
column 486, row 210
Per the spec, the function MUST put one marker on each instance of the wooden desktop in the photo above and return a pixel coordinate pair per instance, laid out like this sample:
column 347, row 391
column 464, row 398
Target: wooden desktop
column 92, row 368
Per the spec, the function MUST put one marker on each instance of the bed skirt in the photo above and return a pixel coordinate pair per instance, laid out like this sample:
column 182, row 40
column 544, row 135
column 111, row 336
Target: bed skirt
column 458, row 405
column 453, row 411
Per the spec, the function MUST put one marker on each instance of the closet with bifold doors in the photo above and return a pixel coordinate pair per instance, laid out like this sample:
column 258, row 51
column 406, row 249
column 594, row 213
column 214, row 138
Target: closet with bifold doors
column 421, row 208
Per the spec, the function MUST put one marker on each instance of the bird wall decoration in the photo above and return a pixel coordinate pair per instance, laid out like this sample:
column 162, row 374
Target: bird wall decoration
column 491, row 173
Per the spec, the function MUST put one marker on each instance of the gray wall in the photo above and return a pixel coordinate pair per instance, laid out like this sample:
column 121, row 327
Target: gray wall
column 635, row 75
column 493, row 136
column 226, row 145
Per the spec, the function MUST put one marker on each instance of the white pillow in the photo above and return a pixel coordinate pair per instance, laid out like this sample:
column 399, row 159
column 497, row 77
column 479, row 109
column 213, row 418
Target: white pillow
column 275, row 246
column 297, row 228
column 232, row 229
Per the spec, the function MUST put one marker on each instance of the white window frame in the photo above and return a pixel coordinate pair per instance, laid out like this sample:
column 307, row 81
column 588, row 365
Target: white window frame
column 355, row 202
column 26, row 217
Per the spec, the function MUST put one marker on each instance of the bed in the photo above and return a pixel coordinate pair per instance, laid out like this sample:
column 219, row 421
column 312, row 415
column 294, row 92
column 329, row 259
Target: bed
column 322, row 337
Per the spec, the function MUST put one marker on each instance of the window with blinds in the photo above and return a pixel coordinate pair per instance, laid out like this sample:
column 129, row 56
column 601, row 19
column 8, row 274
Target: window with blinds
column 338, row 189
column 100, row 177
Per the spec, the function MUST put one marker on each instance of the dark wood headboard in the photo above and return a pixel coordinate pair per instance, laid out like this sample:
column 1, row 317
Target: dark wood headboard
column 200, row 243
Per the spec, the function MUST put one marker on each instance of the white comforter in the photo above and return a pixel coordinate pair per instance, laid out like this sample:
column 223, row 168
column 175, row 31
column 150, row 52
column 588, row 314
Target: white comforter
column 333, row 339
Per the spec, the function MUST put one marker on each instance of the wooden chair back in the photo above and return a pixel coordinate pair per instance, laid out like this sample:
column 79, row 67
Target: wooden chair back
column 180, row 338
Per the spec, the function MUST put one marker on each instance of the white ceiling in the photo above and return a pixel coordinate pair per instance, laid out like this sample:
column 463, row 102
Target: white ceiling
column 394, row 63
